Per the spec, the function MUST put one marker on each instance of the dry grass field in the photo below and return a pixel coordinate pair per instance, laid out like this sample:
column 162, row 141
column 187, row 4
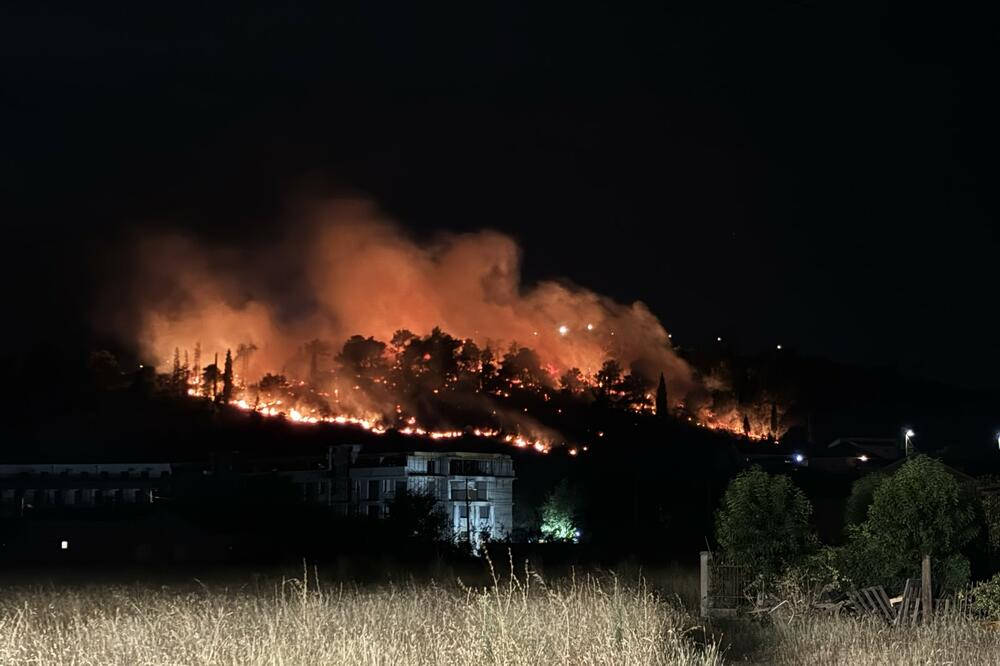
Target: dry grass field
column 518, row 620
column 827, row 641
column 524, row 621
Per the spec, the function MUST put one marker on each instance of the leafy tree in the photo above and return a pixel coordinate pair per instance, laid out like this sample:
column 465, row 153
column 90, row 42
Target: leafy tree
column 572, row 381
column 210, row 380
column 417, row 515
column 428, row 363
column 635, row 387
column 764, row 521
column 488, row 370
column 105, row 371
column 609, row 376
column 560, row 514
column 469, row 365
column 522, row 365
column 400, row 339
column 921, row 509
column 991, row 509
column 363, row 357
column 861, row 497
column 270, row 383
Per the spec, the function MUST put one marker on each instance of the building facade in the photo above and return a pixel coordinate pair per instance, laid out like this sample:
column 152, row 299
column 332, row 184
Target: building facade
column 474, row 490
column 40, row 487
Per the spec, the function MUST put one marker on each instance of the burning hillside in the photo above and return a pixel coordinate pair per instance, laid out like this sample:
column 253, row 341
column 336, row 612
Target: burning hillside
column 281, row 314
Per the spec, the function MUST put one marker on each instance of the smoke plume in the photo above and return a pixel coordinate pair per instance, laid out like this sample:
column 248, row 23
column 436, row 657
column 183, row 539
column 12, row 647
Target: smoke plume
column 347, row 270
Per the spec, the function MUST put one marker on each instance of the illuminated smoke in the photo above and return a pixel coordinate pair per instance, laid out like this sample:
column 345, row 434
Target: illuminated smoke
column 348, row 270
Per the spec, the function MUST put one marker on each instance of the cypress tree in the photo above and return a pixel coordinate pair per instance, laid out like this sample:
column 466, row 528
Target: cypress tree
column 227, row 378
column 661, row 398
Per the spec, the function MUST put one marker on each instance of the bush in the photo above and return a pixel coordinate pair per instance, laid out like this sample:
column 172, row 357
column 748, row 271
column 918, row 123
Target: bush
column 862, row 496
column 764, row 522
column 986, row 598
column 559, row 514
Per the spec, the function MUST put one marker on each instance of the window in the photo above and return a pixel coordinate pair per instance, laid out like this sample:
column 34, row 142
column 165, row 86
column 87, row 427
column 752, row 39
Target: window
column 373, row 488
column 476, row 490
column 431, row 467
column 373, row 510
column 471, row 467
column 400, row 487
column 484, row 512
column 463, row 511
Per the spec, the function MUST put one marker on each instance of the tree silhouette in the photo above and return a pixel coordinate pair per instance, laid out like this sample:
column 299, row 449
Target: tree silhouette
column 316, row 349
column 243, row 354
column 227, row 378
column 363, row 357
column 608, row 379
column 210, row 380
column 105, row 371
column 177, row 374
column 661, row 398
column 572, row 381
column 522, row 366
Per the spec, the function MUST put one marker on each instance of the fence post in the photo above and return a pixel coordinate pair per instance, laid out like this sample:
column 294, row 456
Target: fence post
column 706, row 558
column 926, row 596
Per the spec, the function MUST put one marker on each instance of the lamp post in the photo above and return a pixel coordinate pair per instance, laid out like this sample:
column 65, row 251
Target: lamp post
column 908, row 434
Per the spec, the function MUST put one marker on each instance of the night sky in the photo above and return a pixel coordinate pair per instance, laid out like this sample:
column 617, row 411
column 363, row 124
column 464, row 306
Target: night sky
column 813, row 176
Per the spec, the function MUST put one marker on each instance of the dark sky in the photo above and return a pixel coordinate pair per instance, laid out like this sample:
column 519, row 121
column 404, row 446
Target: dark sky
column 817, row 176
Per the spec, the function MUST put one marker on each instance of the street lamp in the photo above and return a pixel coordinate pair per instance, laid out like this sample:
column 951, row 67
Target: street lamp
column 908, row 434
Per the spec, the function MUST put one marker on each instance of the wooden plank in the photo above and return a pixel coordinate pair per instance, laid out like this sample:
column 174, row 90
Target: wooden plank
column 904, row 599
column 909, row 614
column 706, row 558
column 884, row 604
column 926, row 600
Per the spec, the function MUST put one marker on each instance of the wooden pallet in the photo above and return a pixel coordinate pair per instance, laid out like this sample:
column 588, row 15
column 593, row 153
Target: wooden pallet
column 874, row 601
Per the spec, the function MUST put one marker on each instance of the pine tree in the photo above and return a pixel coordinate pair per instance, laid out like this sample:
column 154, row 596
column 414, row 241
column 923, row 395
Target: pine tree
column 196, row 368
column 746, row 425
column 176, row 374
column 774, row 418
column 227, row 378
column 661, row 398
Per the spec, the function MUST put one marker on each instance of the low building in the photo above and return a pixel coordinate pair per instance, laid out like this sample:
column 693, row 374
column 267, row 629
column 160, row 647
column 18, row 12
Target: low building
column 40, row 487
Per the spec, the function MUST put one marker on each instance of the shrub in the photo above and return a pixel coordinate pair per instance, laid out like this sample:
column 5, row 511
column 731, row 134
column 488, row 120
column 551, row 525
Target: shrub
column 764, row 521
column 861, row 497
column 559, row 515
column 986, row 598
